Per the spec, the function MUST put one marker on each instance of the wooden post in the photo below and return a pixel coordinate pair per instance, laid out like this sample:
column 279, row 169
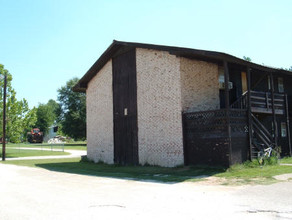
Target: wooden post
column 249, row 112
column 227, row 106
column 184, row 132
column 267, row 100
column 226, row 81
column 4, row 119
column 273, row 111
column 288, row 124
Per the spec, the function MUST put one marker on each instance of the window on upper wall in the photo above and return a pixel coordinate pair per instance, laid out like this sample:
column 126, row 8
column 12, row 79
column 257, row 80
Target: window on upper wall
column 283, row 129
column 221, row 77
column 280, row 84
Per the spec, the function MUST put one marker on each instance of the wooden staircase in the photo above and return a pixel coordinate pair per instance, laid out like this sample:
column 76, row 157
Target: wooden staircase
column 261, row 102
column 261, row 137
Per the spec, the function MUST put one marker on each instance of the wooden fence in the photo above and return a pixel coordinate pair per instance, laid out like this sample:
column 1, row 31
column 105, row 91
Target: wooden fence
column 217, row 137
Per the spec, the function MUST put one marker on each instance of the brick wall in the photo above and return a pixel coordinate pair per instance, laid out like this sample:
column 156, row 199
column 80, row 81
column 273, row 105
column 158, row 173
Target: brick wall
column 200, row 88
column 159, row 108
column 99, row 101
column 166, row 85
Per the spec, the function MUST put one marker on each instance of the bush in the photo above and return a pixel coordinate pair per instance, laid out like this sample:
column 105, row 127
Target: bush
column 263, row 161
column 251, row 164
column 84, row 158
column 272, row 160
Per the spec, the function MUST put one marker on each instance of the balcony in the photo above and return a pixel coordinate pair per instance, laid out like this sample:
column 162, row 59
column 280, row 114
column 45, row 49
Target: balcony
column 261, row 102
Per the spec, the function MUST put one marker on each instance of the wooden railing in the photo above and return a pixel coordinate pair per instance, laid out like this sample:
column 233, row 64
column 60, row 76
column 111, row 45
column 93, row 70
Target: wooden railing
column 261, row 133
column 261, row 102
column 240, row 103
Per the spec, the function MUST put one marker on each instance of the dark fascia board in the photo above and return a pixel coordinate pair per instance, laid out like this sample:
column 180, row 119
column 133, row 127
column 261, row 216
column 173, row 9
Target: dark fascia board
column 211, row 56
column 107, row 55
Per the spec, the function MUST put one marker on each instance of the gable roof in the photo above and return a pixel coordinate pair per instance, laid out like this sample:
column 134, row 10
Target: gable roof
column 119, row 46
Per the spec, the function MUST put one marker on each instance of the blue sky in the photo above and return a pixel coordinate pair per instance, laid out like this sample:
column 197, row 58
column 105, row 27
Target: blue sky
column 44, row 43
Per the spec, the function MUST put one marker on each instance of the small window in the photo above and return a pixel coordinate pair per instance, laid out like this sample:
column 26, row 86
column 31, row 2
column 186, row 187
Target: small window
column 221, row 77
column 283, row 129
column 280, row 84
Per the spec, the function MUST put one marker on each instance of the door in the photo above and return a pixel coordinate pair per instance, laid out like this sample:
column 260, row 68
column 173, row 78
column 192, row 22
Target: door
column 125, row 108
column 243, row 82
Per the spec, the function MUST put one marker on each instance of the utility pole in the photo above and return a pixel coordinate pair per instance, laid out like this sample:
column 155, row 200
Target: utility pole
column 4, row 118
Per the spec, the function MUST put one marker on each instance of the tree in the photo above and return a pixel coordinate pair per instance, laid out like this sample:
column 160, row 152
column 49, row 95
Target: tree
column 72, row 111
column 46, row 115
column 290, row 69
column 29, row 120
column 247, row 58
column 16, row 113
column 55, row 110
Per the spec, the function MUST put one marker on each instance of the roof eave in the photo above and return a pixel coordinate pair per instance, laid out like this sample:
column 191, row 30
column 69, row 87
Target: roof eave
column 81, row 86
column 77, row 88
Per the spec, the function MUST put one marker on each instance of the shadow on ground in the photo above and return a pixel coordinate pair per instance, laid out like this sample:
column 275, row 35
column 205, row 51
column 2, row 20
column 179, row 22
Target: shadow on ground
column 138, row 173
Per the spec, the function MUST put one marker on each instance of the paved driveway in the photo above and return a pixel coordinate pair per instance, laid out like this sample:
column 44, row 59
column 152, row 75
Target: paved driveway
column 34, row 193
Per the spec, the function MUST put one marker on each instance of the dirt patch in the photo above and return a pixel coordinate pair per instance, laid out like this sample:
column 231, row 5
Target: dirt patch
column 284, row 177
column 237, row 181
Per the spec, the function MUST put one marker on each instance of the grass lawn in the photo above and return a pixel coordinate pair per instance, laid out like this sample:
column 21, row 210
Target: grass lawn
column 236, row 175
column 240, row 174
column 74, row 165
column 80, row 145
column 11, row 152
column 287, row 160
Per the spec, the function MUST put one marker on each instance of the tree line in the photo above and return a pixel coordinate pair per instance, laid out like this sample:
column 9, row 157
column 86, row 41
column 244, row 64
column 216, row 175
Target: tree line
column 68, row 113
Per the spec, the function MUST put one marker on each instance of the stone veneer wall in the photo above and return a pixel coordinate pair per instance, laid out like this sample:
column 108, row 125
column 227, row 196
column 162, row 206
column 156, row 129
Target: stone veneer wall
column 99, row 100
column 159, row 108
column 200, row 88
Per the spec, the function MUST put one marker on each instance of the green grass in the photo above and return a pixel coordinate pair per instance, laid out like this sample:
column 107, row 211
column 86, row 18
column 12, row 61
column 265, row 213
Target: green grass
column 287, row 160
column 12, row 153
column 235, row 175
column 244, row 174
column 67, row 146
column 152, row 173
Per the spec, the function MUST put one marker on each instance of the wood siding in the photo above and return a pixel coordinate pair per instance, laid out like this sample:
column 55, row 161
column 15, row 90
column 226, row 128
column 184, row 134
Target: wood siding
column 125, row 109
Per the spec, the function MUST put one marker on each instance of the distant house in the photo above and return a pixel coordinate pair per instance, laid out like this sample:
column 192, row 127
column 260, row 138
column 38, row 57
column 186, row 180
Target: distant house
column 168, row 106
column 52, row 132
